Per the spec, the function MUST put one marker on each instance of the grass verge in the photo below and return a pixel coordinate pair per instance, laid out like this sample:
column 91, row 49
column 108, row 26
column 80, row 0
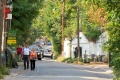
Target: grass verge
column 4, row 71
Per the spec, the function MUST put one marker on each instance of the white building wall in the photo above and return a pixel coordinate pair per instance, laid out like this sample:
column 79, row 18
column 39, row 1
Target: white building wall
column 87, row 47
column 103, row 38
column 67, row 49
column 83, row 44
column 99, row 48
column 92, row 48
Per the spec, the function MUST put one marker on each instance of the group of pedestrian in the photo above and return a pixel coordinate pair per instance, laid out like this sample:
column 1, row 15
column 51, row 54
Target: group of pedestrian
column 27, row 55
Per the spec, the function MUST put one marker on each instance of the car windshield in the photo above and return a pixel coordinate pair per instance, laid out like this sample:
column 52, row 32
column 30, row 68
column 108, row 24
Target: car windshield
column 36, row 43
column 49, row 50
column 36, row 48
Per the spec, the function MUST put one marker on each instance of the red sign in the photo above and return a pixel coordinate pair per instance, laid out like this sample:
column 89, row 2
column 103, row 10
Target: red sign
column 6, row 11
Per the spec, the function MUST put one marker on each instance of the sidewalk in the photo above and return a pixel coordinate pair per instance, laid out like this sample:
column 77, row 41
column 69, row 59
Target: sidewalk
column 17, row 71
column 101, row 66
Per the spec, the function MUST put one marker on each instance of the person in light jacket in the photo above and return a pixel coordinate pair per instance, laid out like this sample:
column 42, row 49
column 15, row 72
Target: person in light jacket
column 33, row 57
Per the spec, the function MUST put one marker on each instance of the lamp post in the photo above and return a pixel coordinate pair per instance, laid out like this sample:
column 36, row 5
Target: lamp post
column 63, row 21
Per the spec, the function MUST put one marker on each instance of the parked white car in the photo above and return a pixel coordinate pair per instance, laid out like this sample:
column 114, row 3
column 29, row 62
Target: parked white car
column 47, row 53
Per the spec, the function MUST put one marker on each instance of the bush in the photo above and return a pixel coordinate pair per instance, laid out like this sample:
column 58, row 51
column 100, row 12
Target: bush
column 117, row 74
column 70, row 60
column 3, row 71
column 1, row 76
column 56, row 55
column 60, row 58
column 66, row 60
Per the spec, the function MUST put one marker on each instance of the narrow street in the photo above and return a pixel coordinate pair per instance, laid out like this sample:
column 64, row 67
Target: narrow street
column 48, row 69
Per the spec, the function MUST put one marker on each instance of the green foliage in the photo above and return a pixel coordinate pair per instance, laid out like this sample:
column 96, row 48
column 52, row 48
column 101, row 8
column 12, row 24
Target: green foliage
column 50, row 22
column 33, row 16
column 91, row 32
column 110, row 8
column 23, row 13
column 70, row 60
column 117, row 74
column 113, row 27
column 90, row 20
column 3, row 71
column 1, row 76
column 70, row 19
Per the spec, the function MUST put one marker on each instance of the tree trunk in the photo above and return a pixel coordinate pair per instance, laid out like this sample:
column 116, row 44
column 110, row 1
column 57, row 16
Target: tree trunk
column 1, row 26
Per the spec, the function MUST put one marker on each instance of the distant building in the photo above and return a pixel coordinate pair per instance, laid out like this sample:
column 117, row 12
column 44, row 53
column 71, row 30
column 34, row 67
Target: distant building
column 88, row 48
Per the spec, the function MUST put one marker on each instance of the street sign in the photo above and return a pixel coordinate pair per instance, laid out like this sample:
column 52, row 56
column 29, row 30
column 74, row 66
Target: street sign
column 11, row 37
column 9, row 16
column 11, row 41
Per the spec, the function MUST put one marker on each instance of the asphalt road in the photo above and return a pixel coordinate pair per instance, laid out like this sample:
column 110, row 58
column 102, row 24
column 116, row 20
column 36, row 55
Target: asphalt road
column 48, row 69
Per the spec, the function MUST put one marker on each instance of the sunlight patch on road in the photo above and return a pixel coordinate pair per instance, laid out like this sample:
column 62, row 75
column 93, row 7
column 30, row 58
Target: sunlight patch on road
column 83, row 77
column 46, row 59
column 106, row 72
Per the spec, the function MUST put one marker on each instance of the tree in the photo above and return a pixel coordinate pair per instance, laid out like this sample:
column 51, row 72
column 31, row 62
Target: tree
column 91, row 22
column 23, row 14
column 113, row 28
column 51, row 20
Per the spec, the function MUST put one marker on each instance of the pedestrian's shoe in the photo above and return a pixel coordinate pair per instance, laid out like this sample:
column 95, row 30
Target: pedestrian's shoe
column 27, row 67
column 33, row 68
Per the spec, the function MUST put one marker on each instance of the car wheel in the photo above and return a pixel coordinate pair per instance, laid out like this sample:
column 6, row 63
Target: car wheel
column 51, row 57
column 42, row 56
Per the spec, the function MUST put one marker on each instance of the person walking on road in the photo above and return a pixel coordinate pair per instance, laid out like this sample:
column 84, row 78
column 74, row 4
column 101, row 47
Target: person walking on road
column 19, row 52
column 26, row 52
column 33, row 57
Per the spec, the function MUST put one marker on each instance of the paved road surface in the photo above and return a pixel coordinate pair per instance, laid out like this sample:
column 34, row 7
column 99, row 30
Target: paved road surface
column 51, row 70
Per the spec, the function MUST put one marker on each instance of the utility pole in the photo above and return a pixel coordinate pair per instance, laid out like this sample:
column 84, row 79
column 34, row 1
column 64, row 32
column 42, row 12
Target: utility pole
column 78, row 46
column 63, row 23
column 1, row 27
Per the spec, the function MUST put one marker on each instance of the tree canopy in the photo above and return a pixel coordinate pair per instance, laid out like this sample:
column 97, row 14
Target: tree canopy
column 110, row 20
column 23, row 14
column 32, row 18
